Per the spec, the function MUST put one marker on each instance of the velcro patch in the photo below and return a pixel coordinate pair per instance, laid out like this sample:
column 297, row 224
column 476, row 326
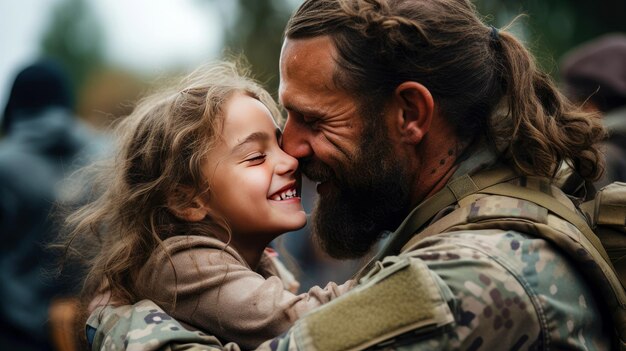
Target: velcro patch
column 400, row 298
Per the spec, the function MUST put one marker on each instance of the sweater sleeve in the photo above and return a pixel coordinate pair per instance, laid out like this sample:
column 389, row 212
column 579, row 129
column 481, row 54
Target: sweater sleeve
column 218, row 293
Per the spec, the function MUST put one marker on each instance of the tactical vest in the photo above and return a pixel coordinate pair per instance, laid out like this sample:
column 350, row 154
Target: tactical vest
column 592, row 234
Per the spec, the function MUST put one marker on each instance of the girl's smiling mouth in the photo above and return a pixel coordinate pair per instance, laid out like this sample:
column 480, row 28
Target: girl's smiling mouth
column 287, row 192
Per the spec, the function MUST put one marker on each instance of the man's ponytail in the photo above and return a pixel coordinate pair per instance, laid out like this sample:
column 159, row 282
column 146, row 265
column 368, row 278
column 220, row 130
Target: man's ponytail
column 544, row 128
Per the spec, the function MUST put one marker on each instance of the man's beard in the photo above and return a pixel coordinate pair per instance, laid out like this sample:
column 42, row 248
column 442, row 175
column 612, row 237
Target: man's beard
column 369, row 197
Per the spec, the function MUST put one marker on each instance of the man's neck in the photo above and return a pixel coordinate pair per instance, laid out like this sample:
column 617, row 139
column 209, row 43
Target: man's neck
column 442, row 181
column 438, row 164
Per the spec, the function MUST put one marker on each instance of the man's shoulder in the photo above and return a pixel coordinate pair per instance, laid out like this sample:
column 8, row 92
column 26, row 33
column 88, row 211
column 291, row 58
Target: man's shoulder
column 503, row 280
column 476, row 245
column 473, row 255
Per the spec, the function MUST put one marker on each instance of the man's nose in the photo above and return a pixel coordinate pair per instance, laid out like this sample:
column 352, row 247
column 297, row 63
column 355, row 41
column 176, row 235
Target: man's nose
column 296, row 139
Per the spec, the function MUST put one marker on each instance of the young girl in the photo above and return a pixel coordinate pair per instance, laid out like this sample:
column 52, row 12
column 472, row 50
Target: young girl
column 199, row 188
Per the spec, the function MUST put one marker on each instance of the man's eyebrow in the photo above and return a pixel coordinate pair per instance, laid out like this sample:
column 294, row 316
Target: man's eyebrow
column 302, row 110
column 254, row 137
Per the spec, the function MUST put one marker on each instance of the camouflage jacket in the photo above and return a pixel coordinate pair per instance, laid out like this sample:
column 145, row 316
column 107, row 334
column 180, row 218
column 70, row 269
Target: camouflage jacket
column 488, row 289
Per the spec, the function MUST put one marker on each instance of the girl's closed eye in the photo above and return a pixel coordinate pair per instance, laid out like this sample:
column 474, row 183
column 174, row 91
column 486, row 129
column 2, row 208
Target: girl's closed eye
column 255, row 159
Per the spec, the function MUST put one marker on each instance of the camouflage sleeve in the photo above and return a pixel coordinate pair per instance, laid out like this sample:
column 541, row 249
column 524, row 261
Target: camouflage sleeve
column 145, row 327
column 398, row 302
column 400, row 292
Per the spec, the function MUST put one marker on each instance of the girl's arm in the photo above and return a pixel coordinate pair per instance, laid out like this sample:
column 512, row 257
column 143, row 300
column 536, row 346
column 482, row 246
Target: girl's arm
column 218, row 293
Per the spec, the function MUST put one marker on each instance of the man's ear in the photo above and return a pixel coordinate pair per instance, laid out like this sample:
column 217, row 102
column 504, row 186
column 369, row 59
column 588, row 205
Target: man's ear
column 416, row 111
column 190, row 211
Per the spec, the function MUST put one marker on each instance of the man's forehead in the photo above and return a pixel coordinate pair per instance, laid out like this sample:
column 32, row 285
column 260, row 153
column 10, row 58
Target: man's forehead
column 308, row 61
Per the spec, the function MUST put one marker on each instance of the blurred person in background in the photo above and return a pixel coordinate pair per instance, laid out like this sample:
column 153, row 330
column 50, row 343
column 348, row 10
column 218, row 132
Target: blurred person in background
column 594, row 75
column 42, row 143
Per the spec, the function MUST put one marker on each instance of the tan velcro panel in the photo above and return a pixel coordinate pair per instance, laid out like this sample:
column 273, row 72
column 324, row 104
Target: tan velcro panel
column 397, row 299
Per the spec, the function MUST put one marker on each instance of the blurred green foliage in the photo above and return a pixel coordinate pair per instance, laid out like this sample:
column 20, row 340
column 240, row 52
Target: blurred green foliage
column 257, row 33
column 75, row 38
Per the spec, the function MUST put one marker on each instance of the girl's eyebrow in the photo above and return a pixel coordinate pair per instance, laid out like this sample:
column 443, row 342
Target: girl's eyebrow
column 252, row 138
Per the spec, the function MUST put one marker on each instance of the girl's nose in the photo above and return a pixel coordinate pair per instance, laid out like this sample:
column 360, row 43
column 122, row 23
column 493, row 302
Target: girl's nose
column 286, row 164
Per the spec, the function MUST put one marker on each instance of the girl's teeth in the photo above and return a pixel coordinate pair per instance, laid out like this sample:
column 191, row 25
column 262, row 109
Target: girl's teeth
column 291, row 193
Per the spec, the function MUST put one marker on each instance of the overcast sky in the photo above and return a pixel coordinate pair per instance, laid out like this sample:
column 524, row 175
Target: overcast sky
column 143, row 35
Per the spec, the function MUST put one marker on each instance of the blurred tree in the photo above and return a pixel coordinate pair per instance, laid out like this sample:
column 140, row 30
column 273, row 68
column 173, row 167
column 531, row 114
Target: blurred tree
column 553, row 27
column 75, row 38
column 256, row 32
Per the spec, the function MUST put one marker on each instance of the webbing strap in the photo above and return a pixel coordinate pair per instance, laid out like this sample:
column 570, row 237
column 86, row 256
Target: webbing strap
column 550, row 203
column 449, row 195
column 494, row 182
